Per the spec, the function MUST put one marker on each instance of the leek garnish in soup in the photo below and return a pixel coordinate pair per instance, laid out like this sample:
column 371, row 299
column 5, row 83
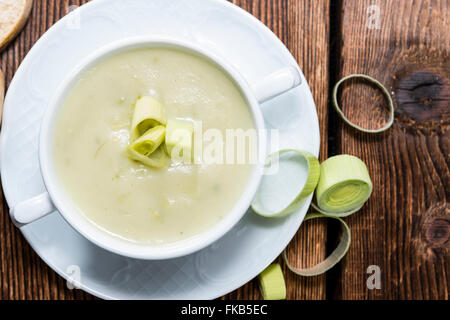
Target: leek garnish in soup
column 111, row 150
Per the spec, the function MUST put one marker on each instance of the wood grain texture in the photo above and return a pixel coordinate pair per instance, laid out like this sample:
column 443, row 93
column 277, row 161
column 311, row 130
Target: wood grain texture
column 404, row 228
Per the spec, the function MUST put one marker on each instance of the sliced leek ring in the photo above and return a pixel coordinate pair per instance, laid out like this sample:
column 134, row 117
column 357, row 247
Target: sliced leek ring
column 379, row 85
column 332, row 259
column 158, row 159
column 271, row 283
column 147, row 148
column 148, row 113
column 179, row 139
column 344, row 186
column 148, row 142
column 281, row 193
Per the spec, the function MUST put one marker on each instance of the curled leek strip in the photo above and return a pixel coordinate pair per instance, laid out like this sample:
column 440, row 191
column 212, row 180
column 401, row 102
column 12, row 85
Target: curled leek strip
column 281, row 193
column 146, row 149
column 158, row 159
column 271, row 283
column 379, row 85
column 148, row 113
column 148, row 143
column 332, row 259
column 344, row 186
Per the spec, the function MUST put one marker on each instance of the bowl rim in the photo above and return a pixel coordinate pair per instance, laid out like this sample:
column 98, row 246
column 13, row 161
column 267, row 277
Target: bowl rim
column 101, row 237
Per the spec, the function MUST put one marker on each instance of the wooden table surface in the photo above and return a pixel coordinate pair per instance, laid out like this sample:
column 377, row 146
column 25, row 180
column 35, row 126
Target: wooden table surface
column 404, row 227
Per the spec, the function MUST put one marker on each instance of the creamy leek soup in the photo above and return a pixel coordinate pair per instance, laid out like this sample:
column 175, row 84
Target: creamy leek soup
column 126, row 198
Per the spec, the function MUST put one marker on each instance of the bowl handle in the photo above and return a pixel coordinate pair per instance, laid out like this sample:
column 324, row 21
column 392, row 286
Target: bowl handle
column 277, row 83
column 32, row 209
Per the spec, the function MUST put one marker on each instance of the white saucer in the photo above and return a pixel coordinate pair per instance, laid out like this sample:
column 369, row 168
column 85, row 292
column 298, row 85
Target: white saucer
column 218, row 25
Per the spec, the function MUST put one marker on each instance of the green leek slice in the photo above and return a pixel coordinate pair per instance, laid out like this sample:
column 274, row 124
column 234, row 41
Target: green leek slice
column 382, row 88
column 158, row 159
column 147, row 149
column 344, row 186
column 179, row 139
column 332, row 259
column 148, row 113
column 271, row 283
column 283, row 192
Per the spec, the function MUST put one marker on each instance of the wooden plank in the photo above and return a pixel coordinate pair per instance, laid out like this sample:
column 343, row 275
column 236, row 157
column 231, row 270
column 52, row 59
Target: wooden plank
column 404, row 228
column 304, row 29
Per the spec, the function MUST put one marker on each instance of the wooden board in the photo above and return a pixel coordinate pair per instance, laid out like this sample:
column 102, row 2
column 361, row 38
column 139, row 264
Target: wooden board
column 404, row 228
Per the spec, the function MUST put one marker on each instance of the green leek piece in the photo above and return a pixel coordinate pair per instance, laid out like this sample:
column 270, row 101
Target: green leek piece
column 158, row 159
column 281, row 193
column 332, row 259
column 382, row 88
column 271, row 283
column 148, row 113
column 147, row 149
column 148, row 142
column 179, row 139
column 344, row 186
